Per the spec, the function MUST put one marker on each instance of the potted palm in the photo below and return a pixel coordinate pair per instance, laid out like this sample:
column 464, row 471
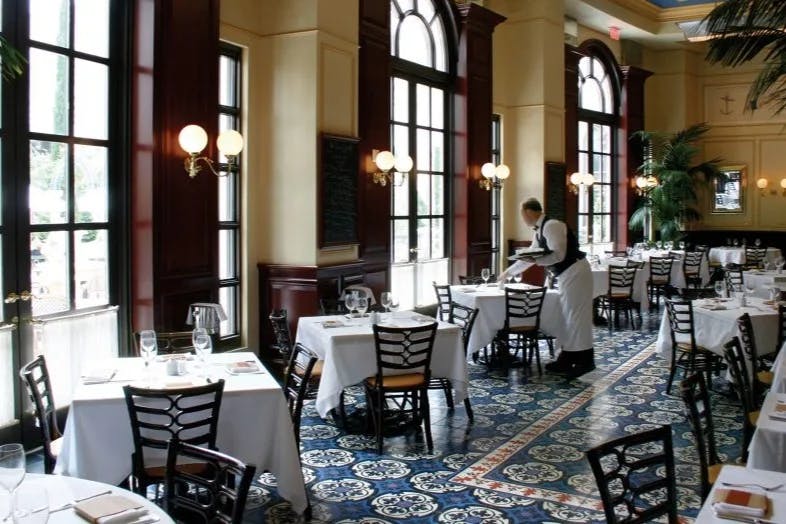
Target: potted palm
column 11, row 60
column 669, row 198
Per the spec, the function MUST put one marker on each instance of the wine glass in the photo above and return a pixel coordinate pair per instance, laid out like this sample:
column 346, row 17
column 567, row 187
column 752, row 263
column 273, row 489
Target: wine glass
column 12, row 467
column 517, row 278
column 386, row 297
column 485, row 274
column 350, row 300
column 775, row 294
column 148, row 346
column 736, row 242
column 30, row 504
column 394, row 305
column 202, row 345
column 757, row 242
column 719, row 285
column 362, row 306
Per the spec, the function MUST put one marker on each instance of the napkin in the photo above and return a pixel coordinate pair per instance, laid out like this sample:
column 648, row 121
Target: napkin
column 175, row 383
column 243, row 367
column 110, row 509
column 740, row 502
column 712, row 306
column 98, row 376
column 332, row 324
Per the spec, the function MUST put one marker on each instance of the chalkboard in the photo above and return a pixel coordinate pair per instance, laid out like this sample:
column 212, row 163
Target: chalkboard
column 554, row 188
column 339, row 191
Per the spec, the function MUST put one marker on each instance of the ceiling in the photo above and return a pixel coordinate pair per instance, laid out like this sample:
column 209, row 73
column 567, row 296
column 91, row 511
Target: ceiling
column 679, row 3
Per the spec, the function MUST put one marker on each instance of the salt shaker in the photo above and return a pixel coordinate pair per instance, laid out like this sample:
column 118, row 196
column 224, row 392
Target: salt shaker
column 172, row 367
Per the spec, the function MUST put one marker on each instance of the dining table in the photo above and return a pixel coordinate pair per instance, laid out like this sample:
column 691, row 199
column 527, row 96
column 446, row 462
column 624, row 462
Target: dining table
column 677, row 277
column 750, row 480
column 61, row 493
column 724, row 255
column 761, row 280
column 346, row 346
column 767, row 449
column 254, row 424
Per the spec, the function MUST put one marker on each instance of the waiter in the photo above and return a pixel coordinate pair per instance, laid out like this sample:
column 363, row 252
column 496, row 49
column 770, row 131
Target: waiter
column 563, row 259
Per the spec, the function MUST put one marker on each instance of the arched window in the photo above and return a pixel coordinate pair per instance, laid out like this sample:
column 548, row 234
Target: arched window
column 421, row 34
column 598, row 119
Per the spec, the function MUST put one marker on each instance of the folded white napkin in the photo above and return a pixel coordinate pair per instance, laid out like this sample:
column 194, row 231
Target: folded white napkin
column 734, row 509
column 243, row 367
column 98, row 376
column 712, row 306
column 126, row 517
column 778, row 416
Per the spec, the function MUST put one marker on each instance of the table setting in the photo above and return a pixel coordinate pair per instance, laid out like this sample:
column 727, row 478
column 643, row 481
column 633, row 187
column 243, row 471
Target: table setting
column 767, row 449
column 724, row 255
column 748, row 495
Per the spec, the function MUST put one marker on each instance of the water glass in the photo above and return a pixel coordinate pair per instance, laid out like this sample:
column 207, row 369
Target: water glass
column 485, row 274
column 203, row 345
column 350, row 301
column 30, row 504
column 394, row 305
column 386, row 297
column 12, row 468
column 517, row 278
column 362, row 306
column 148, row 346
column 775, row 293
column 719, row 285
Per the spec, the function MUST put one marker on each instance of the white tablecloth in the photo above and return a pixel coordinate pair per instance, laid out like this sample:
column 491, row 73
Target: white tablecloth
column 779, row 372
column 713, row 329
column 62, row 490
column 600, row 284
column 677, row 276
column 742, row 475
column 768, row 445
column 350, row 355
column 254, row 426
column 763, row 281
column 736, row 255
column 490, row 302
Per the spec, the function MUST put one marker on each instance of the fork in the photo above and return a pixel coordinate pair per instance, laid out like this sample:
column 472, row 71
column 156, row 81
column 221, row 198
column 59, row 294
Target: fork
column 752, row 485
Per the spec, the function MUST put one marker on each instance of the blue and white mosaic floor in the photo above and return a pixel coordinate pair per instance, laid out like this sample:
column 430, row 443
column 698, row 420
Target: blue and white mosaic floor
column 522, row 461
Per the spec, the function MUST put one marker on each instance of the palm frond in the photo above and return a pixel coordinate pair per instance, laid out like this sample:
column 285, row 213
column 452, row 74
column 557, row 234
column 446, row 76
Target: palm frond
column 11, row 60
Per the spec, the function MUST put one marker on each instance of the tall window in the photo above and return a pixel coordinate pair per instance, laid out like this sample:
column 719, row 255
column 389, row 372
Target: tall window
column 496, row 193
column 419, row 85
column 229, row 117
column 598, row 117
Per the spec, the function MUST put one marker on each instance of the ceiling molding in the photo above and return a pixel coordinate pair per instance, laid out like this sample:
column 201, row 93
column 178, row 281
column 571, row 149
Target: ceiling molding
column 672, row 14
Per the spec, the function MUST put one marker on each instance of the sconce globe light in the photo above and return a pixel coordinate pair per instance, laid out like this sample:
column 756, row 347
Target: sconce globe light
column 487, row 170
column 575, row 179
column 502, row 172
column 387, row 162
column 578, row 180
column 762, row 183
column 193, row 140
column 493, row 176
column 230, row 142
column 783, row 183
column 403, row 164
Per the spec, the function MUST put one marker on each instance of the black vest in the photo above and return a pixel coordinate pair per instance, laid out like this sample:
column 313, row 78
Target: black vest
column 572, row 254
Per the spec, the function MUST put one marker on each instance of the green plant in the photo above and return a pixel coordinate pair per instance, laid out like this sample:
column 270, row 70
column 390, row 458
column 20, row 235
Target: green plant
column 742, row 30
column 671, row 203
column 11, row 60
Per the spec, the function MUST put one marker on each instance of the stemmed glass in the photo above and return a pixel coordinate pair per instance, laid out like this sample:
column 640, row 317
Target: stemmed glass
column 203, row 346
column 387, row 298
column 350, row 300
column 362, row 306
column 517, row 278
column 719, row 285
column 30, row 504
column 757, row 242
column 394, row 304
column 485, row 274
column 148, row 347
column 12, row 469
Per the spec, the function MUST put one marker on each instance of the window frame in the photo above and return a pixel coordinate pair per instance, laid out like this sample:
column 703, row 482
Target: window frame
column 496, row 193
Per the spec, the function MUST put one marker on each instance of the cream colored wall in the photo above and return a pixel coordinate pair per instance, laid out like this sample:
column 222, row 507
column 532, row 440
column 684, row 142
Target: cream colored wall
column 300, row 78
column 585, row 33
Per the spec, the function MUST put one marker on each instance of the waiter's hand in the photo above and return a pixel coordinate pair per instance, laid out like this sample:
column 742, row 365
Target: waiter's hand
column 502, row 277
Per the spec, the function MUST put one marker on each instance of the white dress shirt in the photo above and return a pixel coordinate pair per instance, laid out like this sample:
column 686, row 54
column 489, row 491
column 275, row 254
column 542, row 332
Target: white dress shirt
column 555, row 233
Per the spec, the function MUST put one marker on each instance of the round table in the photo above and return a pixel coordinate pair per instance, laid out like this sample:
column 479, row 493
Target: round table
column 63, row 490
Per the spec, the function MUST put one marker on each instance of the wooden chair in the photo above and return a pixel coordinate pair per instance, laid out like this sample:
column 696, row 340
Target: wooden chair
column 660, row 278
column 619, row 296
column 732, row 276
column 464, row 317
column 735, row 357
column 754, row 257
column 158, row 415
column 444, row 300
column 282, row 337
column 781, row 327
column 762, row 378
column 301, row 383
column 625, row 470
column 686, row 354
column 217, row 494
column 691, row 268
column 406, row 352
column 522, row 326
column 173, row 343
column 693, row 390
column 35, row 377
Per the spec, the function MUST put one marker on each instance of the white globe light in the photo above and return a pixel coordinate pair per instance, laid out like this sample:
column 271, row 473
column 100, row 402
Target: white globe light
column 641, row 182
column 783, row 183
column 192, row 138
column 652, row 181
column 487, row 170
column 403, row 163
column 762, row 183
column 502, row 171
column 587, row 179
column 230, row 142
column 575, row 179
column 385, row 161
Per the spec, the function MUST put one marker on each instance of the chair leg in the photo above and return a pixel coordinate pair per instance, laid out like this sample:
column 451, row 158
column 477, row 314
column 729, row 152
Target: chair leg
column 426, row 417
column 536, row 349
column 468, row 409
column 447, row 387
column 671, row 376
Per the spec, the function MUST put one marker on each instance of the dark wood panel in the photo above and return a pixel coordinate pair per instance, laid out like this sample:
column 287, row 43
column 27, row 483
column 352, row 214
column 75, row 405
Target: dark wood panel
column 555, row 189
column 338, row 190
column 572, row 57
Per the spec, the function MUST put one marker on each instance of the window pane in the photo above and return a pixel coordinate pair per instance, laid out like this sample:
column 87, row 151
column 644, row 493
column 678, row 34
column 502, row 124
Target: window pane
column 90, row 99
column 49, row 272
column 49, row 21
column 400, row 140
column 423, row 146
column 227, row 254
column 597, row 168
column 227, row 297
column 583, row 199
column 584, row 66
column 440, row 46
column 405, row 5
column 90, row 183
column 414, row 43
column 606, row 139
column 48, row 92
column 583, row 230
column 48, row 182
column 583, row 163
column 227, row 186
column 438, row 195
column 424, row 193
column 591, row 96
column 401, row 195
column 608, row 99
column 227, row 87
column 597, row 138
column 400, row 241
column 91, row 268
column 400, row 100
column 91, row 27
column 437, row 108
column 426, row 8
column 437, row 238
column 583, row 136
column 402, row 284
column 423, row 105
column 437, row 155
column 606, row 196
column 424, row 239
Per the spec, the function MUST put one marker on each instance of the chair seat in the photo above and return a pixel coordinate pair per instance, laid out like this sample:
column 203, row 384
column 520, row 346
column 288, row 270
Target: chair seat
column 684, row 346
column 316, row 371
column 406, row 381
column 159, row 472
column 56, row 446
column 656, row 280
column 713, row 472
column 753, row 417
column 765, row 377
column 619, row 296
column 522, row 329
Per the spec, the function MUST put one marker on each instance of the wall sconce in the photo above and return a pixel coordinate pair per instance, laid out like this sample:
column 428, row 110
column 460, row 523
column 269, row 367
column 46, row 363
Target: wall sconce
column 385, row 162
column 193, row 140
column 763, row 183
column 493, row 176
column 645, row 184
column 578, row 180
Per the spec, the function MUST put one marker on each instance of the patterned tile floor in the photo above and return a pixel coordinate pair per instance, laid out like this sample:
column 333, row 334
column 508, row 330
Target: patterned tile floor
column 522, row 461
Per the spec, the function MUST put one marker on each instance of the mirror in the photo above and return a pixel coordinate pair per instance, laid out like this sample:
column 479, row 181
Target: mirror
column 728, row 193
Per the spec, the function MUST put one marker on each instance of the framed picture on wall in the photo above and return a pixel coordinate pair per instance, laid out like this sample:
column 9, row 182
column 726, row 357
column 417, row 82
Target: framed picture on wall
column 728, row 193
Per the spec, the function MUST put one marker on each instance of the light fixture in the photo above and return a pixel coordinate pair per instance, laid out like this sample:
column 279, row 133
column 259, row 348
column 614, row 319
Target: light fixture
column 763, row 183
column 493, row 176
column 578, row 180
column 193, row 139
column 388, row 165
column 645, row 184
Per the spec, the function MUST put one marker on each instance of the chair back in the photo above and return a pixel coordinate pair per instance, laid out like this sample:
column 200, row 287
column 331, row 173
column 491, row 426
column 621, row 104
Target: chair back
column 748, row 341
column 621, row 281
column 158, row 415
column 464, row 317
column 217, row 495
column 443, row 301
column 735, row 358
column 174, row 343
column 660, row 270
column 625, row 470
column 332, row 306
column 35, row 377
column 680, row 313
column 732, row 275
column 781, row 327
column 693, row 390
column 298, row 384
column 404, row 349
column 635, row 264
column 282, row 337
column 523, row 306
column 754, row 257
column 691, row 263
column 704, row 249
column 474, row 281
column 676, row 255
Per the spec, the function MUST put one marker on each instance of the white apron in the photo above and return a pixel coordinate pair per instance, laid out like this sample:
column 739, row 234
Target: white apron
column 575, row 294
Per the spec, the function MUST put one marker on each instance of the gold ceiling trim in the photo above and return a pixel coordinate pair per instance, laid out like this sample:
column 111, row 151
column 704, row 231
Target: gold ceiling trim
column 671, row 14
